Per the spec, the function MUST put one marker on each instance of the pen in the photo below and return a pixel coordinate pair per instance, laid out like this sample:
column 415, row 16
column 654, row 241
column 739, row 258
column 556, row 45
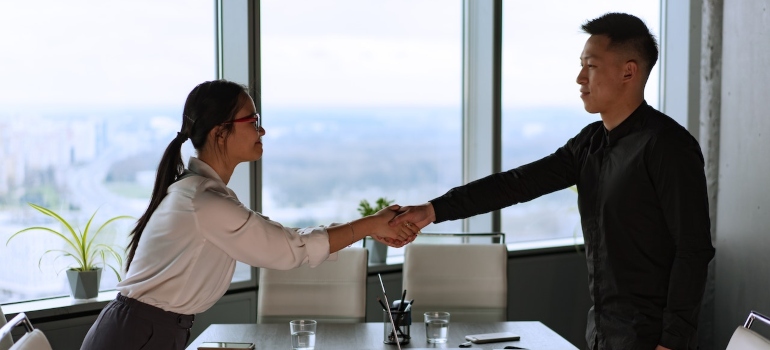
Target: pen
column 409, row 307
column 401, row 306
column 382, row 304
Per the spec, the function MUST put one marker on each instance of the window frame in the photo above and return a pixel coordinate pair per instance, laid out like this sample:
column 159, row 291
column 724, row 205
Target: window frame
column 238, row 58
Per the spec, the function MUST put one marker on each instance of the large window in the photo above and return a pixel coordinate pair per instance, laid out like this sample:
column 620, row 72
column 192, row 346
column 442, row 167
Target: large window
column 91, row 95
column 542, row 42
column 361, row 100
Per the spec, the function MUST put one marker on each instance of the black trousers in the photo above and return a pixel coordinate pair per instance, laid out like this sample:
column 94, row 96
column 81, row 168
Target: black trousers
column 128, row 324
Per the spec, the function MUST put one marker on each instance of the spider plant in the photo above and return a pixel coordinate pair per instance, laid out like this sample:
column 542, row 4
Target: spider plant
column 81, row 246
column 366, row 209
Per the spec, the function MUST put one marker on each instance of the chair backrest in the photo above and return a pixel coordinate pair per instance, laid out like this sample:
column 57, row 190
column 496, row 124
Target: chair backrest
column 5, row 341
column 333, row 292
column 34, row 339
column 745, row 339
column 467, row 280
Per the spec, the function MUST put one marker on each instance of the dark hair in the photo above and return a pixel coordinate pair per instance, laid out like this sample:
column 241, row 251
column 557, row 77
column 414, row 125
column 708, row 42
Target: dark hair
column 208, row 105
column 626, row 32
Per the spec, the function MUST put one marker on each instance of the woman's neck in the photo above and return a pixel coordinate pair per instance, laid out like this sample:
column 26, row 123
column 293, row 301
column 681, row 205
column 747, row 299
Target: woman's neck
column 217, row 163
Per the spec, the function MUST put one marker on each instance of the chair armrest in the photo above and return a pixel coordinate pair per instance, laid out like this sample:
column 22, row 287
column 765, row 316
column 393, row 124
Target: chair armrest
column 21, row 318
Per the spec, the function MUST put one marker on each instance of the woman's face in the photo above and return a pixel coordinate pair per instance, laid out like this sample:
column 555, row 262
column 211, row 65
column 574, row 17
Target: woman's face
column 244, row 144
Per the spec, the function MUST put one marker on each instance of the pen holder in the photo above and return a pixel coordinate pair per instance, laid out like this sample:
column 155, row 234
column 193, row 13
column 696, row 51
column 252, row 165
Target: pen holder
column 403, row 322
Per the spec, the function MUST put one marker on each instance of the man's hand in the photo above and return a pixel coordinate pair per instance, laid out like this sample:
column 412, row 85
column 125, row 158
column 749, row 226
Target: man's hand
column 419, row 215
column 393, row 235
column 661, row 347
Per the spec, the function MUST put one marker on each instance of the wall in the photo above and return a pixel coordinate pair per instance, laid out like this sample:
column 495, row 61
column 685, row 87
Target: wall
column 743, row 205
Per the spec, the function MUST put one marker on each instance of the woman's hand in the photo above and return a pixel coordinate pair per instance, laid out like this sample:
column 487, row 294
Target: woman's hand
column 393, row 242
column 396, row 235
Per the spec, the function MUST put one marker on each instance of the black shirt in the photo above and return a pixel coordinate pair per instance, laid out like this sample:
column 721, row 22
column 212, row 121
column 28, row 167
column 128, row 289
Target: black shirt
column 644, row 212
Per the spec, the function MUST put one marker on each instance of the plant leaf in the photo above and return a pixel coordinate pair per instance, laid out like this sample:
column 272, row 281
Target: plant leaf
column 61, row 253
column 117, row 274
column 85, row 250
column 52, row 214
column 77, row 240
column 85, row 246
column 99, row 230
column 62, row 236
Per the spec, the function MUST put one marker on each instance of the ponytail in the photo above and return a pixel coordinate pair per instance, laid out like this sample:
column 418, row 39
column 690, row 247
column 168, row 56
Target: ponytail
column 169, row 170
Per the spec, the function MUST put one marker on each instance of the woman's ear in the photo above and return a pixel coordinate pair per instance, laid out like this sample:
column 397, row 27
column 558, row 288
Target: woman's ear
column 216, row 136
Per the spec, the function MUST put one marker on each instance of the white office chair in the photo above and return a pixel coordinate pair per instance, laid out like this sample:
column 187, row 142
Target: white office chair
column 34, row 339
column 745, row 339
column 467, row 280
column 333, row 292
column 5, row 341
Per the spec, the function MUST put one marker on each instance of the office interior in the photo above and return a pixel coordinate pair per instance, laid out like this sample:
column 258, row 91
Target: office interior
column 713, row 80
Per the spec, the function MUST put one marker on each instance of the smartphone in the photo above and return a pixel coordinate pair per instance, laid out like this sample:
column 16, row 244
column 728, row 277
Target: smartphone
column 492, row 337
column 225, row 346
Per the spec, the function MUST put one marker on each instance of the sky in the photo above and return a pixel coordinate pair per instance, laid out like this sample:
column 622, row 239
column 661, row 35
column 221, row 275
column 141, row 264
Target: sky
column 57, row 54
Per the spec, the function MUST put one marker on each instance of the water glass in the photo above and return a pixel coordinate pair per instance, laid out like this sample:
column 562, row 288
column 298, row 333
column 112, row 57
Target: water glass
column 436, row 326
column 303, row 334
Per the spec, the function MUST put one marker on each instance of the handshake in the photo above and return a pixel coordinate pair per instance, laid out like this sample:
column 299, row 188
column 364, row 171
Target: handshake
column 397, row 226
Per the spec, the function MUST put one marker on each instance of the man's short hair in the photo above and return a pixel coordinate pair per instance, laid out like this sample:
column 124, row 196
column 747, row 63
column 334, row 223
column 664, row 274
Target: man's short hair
column 626, row 32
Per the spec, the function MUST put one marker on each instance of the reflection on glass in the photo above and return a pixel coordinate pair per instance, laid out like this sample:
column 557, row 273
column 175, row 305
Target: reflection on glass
column 541, row 103
column 92, row 94
column 361, row 100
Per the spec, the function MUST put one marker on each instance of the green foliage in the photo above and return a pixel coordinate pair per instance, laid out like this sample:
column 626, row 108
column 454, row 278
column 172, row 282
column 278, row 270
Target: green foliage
column 81, row 245
column 366, row 209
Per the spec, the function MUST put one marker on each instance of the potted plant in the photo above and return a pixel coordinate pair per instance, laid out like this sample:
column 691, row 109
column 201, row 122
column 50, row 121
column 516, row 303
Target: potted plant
column 88, row 256
column 378, row 252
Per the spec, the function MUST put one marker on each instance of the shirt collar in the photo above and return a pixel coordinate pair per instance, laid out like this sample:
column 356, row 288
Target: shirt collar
column 625, row 126
column 201, row 168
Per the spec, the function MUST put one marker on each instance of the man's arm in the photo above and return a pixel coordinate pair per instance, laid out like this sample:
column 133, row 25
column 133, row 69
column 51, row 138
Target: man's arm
column 552, row 173
column 676, row 168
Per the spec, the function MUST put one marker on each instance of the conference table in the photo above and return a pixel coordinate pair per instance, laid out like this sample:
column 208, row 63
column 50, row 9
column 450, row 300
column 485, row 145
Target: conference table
column 369, row 336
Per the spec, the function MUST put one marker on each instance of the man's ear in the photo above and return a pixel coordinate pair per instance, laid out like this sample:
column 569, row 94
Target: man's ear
column 630, row 70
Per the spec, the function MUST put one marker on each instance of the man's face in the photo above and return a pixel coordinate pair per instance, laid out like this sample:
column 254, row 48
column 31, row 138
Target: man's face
column 601, row 75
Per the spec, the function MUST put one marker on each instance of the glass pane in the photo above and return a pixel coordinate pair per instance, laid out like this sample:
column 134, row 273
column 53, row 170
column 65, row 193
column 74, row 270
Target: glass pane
column 541, row 101
column 92, row 94
column 361, row 100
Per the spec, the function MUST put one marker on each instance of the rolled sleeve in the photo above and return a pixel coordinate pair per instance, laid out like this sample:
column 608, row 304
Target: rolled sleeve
column 254, row 239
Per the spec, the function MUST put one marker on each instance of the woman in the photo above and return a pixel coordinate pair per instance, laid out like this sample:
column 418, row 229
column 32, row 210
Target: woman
column 183, row 249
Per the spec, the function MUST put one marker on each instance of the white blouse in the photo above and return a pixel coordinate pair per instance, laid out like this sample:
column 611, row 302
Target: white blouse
column 186, row 255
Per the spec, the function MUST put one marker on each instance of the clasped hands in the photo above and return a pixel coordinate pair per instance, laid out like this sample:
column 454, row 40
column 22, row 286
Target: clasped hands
column 400, row 225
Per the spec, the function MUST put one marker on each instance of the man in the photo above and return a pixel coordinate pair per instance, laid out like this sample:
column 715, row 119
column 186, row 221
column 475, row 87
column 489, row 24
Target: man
column 642, row 197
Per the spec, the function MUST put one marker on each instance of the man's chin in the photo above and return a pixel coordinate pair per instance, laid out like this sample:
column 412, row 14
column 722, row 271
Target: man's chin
column 590, row 109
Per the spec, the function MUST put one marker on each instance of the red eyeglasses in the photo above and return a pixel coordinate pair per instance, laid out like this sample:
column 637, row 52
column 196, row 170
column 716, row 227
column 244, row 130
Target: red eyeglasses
column 254, row 118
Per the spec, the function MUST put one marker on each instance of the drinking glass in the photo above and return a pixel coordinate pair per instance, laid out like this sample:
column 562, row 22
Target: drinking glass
column 436, row 326
column 303, row 334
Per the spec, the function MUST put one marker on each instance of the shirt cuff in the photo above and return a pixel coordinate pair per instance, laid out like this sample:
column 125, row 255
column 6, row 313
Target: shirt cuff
column 316, row 242
column 676, row 332
column 439, row 208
